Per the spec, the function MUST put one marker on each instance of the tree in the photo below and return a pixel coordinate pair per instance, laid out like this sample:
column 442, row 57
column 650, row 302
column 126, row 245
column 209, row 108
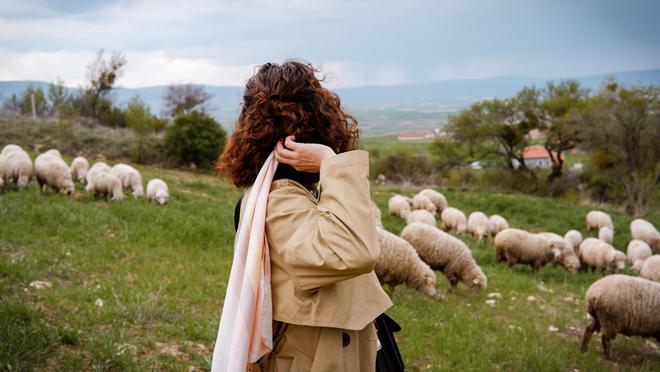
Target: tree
column 195, row 138
column 22, row 104
column 57, row 97
column 101, row 76
column 139, row 119
column 184, row 98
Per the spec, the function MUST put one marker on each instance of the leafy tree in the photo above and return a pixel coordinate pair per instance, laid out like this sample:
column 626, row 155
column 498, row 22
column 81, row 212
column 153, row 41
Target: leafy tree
column 57, row 97
column 24, row 103
column 101, row 76
column 195, row 138
column 184, row 98
column 142, row 122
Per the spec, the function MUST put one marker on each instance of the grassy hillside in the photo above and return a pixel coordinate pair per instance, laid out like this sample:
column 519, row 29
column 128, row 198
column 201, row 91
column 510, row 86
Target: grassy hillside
column 136, row 286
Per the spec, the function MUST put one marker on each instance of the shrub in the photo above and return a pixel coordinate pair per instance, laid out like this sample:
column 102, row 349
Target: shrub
column 195, row 138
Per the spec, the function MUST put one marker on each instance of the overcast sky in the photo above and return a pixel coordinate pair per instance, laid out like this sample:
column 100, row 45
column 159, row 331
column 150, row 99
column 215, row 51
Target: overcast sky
column 355, row 42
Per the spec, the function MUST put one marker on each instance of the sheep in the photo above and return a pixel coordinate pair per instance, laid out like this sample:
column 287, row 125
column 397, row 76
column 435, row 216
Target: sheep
column 20, row 167
column 106, row 184
column 569, row 260
column 644, row 230
column 79, row 168
column 453, row 219
column 399, row 263
column 10, row 148
column 638, row 251
column 422, row 202
column 519, row 246
column 651, row 269
column 437, row 198
column 606, row 234
column 496, row 223
column 53, row 152
column 52, row 171
column 399, row 206
column 443, row 252
column 597, row 254
column 598, row 219
column 575, row 238
column 158, row 192
column 95, row 170
column 622, row 304
column 477, row 225
column 421, row 215
column 4, row 170
column 130, row 177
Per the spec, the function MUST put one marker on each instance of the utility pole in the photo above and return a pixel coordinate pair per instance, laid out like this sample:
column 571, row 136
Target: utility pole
column 34, row 110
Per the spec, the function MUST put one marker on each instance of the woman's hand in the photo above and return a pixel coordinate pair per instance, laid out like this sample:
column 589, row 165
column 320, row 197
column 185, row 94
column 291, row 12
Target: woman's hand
column 303, row 157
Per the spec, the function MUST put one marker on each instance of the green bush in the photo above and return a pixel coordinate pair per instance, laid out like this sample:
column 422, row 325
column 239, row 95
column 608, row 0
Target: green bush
column 195, row 138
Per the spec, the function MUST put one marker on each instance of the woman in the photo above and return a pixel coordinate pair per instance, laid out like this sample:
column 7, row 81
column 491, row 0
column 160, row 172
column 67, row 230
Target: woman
column 319, row 226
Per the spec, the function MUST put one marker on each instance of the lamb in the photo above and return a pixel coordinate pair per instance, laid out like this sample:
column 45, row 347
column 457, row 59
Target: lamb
column 496, row 223
column 19, row 167
column 437, row 198
column 644, row 230
column 597, row 254
column 158, row 192
column 107, row 184
column 52, row 171
column 651, row 269
column 10, row 148
column 519, row 246
column 130, row 177
column 399, row 206
column 477, row 225
column 638, row 251
column 79, row 168
column 622, row 304
column 569, row 259
column 399, row 263
column 422, row 202
column 442, row 251
column 421, row 215
column 575, row 238
column 606, row 234
column 598, row 219
column 94, row 171
column 453, row 219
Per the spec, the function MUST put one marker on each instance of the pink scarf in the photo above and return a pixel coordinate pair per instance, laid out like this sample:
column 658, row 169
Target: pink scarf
column 245, row 333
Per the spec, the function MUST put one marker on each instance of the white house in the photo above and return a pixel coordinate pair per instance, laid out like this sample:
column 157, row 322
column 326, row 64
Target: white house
column 536, row 156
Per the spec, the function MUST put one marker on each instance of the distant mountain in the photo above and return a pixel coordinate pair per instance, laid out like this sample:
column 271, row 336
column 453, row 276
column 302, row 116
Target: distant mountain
column 373, row 105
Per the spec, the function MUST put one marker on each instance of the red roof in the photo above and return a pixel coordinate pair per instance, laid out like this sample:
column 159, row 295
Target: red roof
column 537, row 152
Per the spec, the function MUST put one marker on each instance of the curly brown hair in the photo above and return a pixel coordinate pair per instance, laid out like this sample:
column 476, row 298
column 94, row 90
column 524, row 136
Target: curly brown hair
column 283, row 100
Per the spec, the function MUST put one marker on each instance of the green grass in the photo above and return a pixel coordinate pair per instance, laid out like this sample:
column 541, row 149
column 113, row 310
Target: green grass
column 387, row 144
column 161, row 273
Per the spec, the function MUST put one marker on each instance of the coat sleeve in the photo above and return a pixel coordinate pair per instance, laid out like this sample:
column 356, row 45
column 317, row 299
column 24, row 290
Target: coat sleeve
column 334, row 240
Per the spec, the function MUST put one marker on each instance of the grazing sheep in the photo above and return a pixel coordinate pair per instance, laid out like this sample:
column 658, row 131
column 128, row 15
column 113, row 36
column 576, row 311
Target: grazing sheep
column 437, row 198
column 107, row 184
column 519, row 246
column 575, row 237
column 20, row 167
column 651, row 269
column 638, row 251
column 421, row 215
column 454, row 219
column 9, row 148
column 399, row 263
column 606, row 234
column 597, row 254
column 496, row 223
column 598, row 219
column 569, row 260
column 94, row 171
column 158, row 192
column 52, row 171
column 443, row 252
column 5, row 175
column 477, row 225
column 53, row 152
column 399, row 206
column 422, row 202
column 644, row 230
column 622, row 304
column 130, row 177
column 79, row 168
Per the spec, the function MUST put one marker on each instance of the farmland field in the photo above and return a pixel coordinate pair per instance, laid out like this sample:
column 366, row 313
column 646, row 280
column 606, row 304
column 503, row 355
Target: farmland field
column 134, row 286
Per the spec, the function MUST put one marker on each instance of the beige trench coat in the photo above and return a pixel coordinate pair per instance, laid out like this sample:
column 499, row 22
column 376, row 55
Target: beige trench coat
column 325, row 293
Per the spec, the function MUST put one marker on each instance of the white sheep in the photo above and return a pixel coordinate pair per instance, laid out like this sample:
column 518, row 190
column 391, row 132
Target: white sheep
column 79, row 168
column 519, row 246
column 638, row 251
column 130, row 177
column 437, row 198
column 477, row 225
column 597, row 254
column 598, row 219
column 651, row 269
column 606, row 234
column 9, row 148
column 52, row 171
column 421, row 215
column 644, row 230
column 575, row 237
column 399, row 263
column 569, row 259
column 53, row 152
column 496, row 223
column 454, row 219
column 95, row 170
column 107, row 184
column 422, row 202
column 399, row 206
column 444, row 252
column 622, row 304
column 158, row 192
column 20, row 167
column 5, row 174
